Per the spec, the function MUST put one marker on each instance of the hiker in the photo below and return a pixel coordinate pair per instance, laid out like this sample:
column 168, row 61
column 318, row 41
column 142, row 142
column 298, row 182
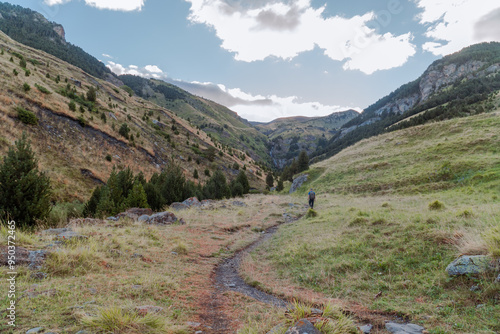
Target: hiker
column 312, row 197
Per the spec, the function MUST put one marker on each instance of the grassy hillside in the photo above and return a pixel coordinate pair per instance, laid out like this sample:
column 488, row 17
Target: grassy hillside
column 78, row 148
column 393, row 212
column 221, row 123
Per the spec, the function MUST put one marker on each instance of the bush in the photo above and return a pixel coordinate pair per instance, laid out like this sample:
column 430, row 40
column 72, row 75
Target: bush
column 26, row 116
column 108, row 157
column 436, row 205
column 42, row 89
column 216, row 187
column 195, row 174
column 92, row 94
column 72, row 105
column 26, row 87
column 24, row 190
column 124, row 131
column 22, row 63
column 82, row 121
column 207, row 172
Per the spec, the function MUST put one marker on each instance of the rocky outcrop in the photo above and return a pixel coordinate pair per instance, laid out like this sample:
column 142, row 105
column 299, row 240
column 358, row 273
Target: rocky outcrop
column 298, row 182
column 59, row 29
column 162, row 218
column 23, row 256
column 135, row 213
column 303, row 326
column 395, row 328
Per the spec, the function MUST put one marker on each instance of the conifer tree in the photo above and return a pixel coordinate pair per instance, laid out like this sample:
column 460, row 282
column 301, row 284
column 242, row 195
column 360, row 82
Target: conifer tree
column 137, row 197
column 24, row 190
column 269, row 180
column 303, row 163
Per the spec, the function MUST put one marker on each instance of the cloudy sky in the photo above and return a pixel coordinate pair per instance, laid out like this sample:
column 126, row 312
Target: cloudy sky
column 273, row 58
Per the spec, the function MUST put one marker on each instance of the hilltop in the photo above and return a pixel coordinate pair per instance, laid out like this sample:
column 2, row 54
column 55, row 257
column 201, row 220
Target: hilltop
column 78, row 141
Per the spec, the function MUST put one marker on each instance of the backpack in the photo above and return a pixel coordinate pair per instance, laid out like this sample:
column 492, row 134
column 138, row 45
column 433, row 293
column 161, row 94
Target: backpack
column 312, row 195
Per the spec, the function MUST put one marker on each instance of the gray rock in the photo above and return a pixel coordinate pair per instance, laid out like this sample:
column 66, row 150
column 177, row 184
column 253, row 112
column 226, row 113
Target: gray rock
column 143, row 218
column 498, row 279
column 115, row 219
column 298, row 182
column 135, row 213
column 192, row 201
column 193, row 324
column 464, row 265
column 395, row 328
column 162, row 218
column 366, row 329
column 474, row 288
column 35, row 330
column 39, row 275
column 303, row 326
column 34, row 259
column 146, row 309
column 70, row 235
column 239, row 203
column 178, row 206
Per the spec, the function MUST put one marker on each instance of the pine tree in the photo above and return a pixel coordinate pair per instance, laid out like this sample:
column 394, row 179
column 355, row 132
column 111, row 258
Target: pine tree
column 216, row 187
column 24, row 190
column 137, row 197
column 243, row 180
column 270, row 180
column 92, row 94
column 303, row 163
column 195, row 174
column 280, row 185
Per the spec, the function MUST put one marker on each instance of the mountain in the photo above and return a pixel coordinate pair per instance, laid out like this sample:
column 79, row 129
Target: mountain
column 221, row 123
column 33, row 29
column 461, row 84
column 290, row 135
column 79, row 140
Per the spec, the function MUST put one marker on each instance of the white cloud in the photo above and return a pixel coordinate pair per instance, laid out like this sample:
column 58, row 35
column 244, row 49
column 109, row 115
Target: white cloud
column 107, row 56
column 123, row 5
column 149, row 71
column 285, row 29
column 452, row 23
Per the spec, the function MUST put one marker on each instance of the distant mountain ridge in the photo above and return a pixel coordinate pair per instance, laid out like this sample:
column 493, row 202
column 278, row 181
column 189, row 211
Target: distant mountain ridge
column 457, row 85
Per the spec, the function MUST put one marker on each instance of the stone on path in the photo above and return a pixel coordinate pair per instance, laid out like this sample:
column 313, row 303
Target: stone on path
column 395, row 328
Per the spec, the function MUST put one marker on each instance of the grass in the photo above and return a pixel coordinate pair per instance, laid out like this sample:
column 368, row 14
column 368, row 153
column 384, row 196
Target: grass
column 378, row 243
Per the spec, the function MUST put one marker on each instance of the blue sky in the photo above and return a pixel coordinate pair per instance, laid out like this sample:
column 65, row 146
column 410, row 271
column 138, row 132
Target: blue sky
column 275, row 58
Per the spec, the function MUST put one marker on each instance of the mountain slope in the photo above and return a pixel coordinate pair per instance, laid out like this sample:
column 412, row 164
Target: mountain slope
column 33, row 29
column 457, row 85
column 221, row 123
column 78, row 141
column 288, row 136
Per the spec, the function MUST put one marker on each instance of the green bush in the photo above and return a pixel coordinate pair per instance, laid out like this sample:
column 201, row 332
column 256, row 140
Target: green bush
column 436, row 205
column 217, row 187
column 72, row 105
column 42, row 89
column 26, row 87
column 124, row 131
column 207, row 172
column 26, row 116
column 82, row 121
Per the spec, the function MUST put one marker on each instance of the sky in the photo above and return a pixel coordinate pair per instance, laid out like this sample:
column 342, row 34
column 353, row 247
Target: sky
column 267, row 59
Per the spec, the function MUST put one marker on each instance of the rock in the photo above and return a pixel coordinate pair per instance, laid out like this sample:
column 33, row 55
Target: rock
column 316, row 312
column 240, row 204
column 143, row 218
column 162, row 218
column 70, row 235
column 192, row 201
column 178, row 206
column 32, row 293
column 146, row 309
column 298, row 182
column 86, row 221
column 39, row 275
column 35, row 330
column 193, row 324
column 466, row 264
column 34, row 259
column 136, row 287
column 135, row 213
column 366, row 329
column 115, row 219
column 82, row 332
column 395, row 328
column 303, row 326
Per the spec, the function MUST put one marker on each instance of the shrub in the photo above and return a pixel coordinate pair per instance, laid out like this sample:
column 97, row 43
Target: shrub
column 311, row 213
column 26, row 116
column 92, row 94
column 124, row 131
column 42, row 89
column 137, row 197
column 24, row 190
column 72, row 105
column 22, row 63
column 26, row 87
column 216, row 187
column 82, row 121
column 15, row 72
column 207, row 172
column 195, row 174
column 108, row 157
column 436, row 205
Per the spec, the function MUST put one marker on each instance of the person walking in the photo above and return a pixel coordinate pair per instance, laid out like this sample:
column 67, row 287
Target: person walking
column 312, row 197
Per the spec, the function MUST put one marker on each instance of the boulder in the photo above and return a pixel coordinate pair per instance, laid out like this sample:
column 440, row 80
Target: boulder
column 239, row 203
column 135, row 213
column 303, row 326
column 34, row 259
column 298, row 182
column 466, row 264
column 192, row 201
column 395, row 328
column 162, row 218
column 366, row 329
column 143, row 218
column 178, row 206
